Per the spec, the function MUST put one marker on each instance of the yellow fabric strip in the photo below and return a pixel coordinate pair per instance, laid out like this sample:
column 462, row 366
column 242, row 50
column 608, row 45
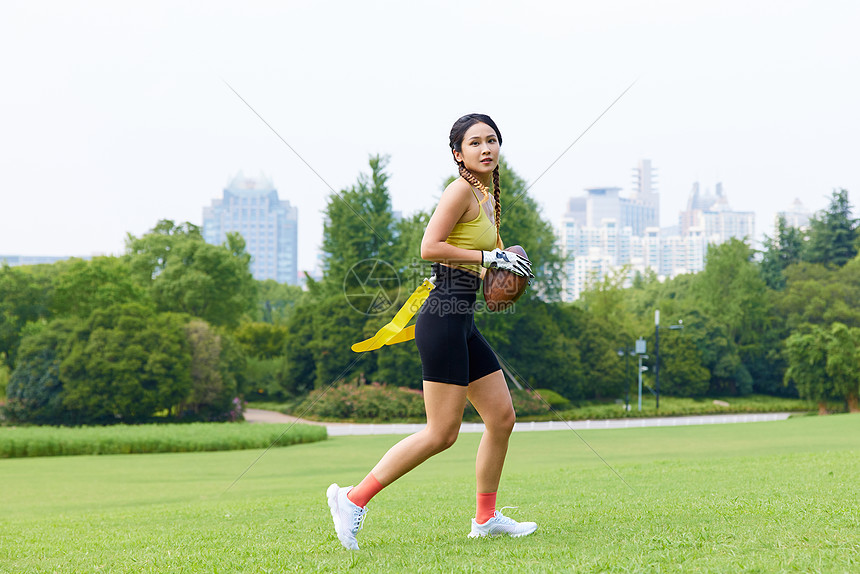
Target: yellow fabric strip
column 396, row 331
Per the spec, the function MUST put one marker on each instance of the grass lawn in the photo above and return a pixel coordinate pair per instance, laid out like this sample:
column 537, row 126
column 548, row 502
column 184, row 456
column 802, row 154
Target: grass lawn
column 759, row 497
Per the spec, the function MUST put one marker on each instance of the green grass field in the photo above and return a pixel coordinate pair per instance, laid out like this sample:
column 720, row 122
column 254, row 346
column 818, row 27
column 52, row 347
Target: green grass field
column 760, row 497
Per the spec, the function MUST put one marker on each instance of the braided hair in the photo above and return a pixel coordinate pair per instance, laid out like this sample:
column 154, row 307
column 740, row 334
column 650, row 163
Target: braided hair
column 458, row 132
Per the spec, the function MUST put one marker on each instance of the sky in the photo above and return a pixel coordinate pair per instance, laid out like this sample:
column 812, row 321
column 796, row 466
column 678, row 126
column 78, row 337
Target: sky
column 114, row 115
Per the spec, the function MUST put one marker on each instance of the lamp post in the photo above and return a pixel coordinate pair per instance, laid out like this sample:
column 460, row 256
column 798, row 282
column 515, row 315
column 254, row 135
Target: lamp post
column 641, row 370
column 626, row 352
column 657, row 351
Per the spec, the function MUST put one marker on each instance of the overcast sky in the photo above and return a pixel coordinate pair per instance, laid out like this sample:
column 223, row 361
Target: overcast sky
column 114, row 115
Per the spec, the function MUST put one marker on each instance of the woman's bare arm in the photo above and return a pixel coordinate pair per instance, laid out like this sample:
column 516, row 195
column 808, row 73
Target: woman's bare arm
column 455, row 201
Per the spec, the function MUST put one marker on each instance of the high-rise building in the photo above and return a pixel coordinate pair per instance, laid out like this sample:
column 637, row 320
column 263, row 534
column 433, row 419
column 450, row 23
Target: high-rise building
column 603, row 231
column 710, row 212
column 269, row 225
column 798, row 216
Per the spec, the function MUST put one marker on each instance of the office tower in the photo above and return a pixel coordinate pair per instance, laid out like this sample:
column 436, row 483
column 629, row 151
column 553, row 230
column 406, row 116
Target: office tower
column 798, row 216
column 711, row 214
column 269, row 225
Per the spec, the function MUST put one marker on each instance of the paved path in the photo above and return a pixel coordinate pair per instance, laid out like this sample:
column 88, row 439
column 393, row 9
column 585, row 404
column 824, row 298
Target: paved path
column 345, row 429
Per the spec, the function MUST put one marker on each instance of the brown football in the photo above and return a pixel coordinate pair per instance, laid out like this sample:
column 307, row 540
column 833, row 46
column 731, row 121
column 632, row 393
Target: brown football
column 502, row 288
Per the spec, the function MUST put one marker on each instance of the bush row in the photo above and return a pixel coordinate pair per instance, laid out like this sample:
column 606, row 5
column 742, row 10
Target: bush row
column 138, row 439
column 383, row 403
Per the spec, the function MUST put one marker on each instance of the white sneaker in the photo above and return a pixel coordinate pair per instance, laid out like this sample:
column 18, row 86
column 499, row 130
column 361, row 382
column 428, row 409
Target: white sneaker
column 348, row 517
column 501, row 524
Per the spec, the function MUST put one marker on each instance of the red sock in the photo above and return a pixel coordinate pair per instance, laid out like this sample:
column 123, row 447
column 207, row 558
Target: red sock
column 367, row 489
column 486, row 507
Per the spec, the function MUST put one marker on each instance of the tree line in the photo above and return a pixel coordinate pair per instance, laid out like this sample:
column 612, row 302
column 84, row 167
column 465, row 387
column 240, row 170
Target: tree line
column 178, row 329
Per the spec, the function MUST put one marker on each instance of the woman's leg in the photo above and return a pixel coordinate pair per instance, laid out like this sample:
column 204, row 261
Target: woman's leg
column 444, row 404
column 491, row 398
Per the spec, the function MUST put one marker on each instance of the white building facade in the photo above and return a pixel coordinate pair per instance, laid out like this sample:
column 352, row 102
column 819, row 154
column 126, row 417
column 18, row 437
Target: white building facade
column 269, row 225
column 603, row 232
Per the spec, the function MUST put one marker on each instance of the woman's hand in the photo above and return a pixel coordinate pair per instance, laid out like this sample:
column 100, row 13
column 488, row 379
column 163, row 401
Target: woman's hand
column 507, row 260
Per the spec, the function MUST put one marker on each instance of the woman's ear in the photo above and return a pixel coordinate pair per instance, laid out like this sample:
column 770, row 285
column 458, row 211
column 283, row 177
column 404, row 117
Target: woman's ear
column 458, row 157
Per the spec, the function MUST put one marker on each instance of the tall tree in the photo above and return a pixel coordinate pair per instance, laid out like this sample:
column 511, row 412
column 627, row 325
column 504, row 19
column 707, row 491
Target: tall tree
column 833, row 233
column 81, row 287
column 187, row 275
column 358, row 224
column 23, row 298
column 806, row 353
column 843, row 363
column 733, row 295
column 276, row 301
column 35, row 391
column 780, row 251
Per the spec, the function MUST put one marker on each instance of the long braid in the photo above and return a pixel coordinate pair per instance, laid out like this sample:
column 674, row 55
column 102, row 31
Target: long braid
column 497, row 192
column 470, row 177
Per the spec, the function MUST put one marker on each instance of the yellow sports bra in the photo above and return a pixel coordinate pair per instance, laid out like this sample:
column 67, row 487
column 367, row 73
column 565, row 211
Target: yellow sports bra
column 480, row 233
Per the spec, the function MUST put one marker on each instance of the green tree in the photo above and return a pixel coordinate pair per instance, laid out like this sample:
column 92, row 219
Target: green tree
column 821, row 295
column 780, row 251
column 261, row 340
column 681, row 371
column 298, row 351
column 80, row 287
column 187, row 275
column 358, row 224
column 806, row 354
column 5, row 373
column 35, row 391
column 148, row 255
column 833, row 233
column 843, row 363
column 276, row 301
column 23, row 298
column 336, row 326
column 213, row 387
column 733, row 295
column 125, row 364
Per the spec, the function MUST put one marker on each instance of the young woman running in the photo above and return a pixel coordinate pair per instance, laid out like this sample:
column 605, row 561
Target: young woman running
column 457, row 363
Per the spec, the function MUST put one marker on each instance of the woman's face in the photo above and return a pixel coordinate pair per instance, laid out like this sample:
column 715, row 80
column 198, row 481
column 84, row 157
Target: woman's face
column 480, row 149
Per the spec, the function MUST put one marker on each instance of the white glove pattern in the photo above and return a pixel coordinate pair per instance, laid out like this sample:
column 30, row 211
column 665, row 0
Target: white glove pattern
column 507, row 260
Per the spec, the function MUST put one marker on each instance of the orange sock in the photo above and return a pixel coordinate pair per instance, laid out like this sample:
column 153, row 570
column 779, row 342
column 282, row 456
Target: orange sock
column 486, row 507
column 367, row 489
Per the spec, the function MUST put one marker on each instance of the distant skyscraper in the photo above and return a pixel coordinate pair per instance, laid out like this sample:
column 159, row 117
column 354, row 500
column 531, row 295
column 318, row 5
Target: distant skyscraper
column 798, row 216
column 710, row 213
column 269, row 226
column 602, row 232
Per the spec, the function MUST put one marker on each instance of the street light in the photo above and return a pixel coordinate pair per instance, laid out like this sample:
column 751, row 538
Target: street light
column 626, row 352
column 657, row 351
column 637, row 350
column 641, row 370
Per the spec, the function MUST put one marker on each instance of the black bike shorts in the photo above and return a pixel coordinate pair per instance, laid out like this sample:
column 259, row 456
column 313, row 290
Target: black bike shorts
column 452, row 349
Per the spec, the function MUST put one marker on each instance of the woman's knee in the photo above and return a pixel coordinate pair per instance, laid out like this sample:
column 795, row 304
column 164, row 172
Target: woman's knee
column 502, row 423
column 442, row 439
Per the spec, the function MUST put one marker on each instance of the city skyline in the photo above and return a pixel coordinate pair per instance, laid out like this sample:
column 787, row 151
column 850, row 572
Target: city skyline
column 644, row 174
column 118, row 115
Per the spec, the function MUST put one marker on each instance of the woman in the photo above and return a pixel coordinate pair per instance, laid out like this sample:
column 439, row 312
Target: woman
column 458, row 364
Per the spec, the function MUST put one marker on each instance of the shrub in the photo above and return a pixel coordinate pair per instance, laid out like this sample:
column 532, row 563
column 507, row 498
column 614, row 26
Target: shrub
column 526, row 403
column 374, row 401
column 554, row 399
